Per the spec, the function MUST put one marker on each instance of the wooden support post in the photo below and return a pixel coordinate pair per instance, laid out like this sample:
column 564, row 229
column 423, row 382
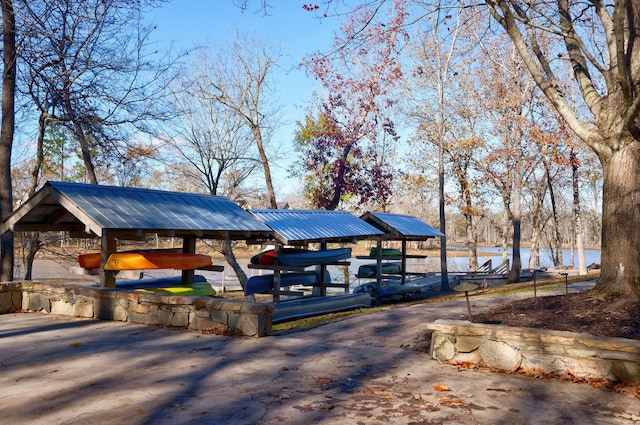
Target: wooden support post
column 188, row 247
column 323, row 274
column 379, row 262
column 403, row 267
column 108, row 246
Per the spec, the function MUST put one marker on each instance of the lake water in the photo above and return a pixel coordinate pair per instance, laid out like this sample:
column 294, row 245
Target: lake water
column 590, row 256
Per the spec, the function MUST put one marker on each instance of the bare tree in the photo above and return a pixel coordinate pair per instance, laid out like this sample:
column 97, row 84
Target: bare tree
column 240, row 79
column 213, row 140
column 87, row 67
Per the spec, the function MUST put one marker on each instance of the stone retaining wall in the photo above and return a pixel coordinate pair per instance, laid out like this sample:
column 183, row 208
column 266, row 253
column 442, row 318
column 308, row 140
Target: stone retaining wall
column 537, row 351
column 197, row 313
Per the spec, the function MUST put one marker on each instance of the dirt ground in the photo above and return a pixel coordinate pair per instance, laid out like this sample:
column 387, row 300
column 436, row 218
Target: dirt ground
column 580, row 312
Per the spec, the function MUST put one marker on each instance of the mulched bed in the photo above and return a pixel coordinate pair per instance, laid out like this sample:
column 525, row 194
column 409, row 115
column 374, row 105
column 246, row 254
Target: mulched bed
column 579, row 312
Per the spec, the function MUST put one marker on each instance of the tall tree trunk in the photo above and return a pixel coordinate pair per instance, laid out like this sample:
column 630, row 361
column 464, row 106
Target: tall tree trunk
column 516, row 219
column 271, row 193
column 537, row 224
column 472, row 242
column 6, row 135
column 577, row 215
column 229, row 256
column 34, row 243
column 557, row 238
column 620, row 273
column 444, row 275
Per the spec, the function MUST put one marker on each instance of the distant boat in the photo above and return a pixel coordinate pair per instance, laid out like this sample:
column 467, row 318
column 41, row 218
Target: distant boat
column 146, row 260
column 92, row 260
column 310, row 258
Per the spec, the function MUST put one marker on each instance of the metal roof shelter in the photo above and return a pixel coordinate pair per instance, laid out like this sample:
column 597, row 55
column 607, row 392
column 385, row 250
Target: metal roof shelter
column 111, row 213
column 301, row 227
column 399, row 226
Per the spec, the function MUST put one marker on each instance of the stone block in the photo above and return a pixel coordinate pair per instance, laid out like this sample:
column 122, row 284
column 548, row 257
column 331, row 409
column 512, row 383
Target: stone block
column 202, row 323
column 467, row 344
column 500, row 355
column 84, row 308
column 443, row 347
column 218, row 316
column 62, row 307
column 120, row 313
column 610, row 344
column 6, row 302
column 38, row 302
column 580, row 353
column 472, row 358
column 472, row 330
column 558, row 338
column 165, row 316
column 147, row 319
column 180, row 319
column 139, row 309
column 625, row 372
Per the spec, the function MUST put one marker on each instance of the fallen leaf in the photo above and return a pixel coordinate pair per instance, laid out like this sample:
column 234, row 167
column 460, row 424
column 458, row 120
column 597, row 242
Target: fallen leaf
column 448, row 401
column 441, row 387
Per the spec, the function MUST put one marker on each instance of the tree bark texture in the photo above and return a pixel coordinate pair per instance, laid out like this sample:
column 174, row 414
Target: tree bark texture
column 6, row 135
column 620, row 274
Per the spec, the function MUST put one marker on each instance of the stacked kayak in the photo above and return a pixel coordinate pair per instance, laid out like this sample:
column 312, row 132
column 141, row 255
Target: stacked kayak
column 92, row 260
column 300, row 257
column 143, row 261
column 312, row 306
column 172, row 285
column 264, row 283
column 369, row 270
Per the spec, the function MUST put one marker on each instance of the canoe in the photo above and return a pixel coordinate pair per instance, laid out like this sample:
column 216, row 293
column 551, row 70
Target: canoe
column 313, row 306
column 386, row 252
column 201, row 289
column 143, row 261
column 156, row 282
column 269, row 256
column 92, row 260
column 310, row 258
column 369, row 270
column 392, row 289
column 264, row 283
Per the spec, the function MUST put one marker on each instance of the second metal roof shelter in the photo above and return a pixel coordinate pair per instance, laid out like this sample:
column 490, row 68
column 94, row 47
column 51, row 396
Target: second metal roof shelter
column 400, row 227
column 111, row 213
column 302, row 227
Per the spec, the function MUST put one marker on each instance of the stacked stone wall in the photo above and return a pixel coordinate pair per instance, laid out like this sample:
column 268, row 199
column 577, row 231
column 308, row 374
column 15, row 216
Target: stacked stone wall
column 536, row 351
column 197, row 313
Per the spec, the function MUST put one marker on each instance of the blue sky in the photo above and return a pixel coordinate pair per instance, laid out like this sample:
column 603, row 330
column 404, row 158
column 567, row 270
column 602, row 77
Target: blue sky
column 188, row 23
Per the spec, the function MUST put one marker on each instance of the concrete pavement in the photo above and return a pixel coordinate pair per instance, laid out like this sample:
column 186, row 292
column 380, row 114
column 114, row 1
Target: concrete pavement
column 365, row 369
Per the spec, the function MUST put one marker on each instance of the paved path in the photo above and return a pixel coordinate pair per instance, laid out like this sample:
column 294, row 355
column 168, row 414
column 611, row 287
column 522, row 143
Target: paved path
column 361, row 370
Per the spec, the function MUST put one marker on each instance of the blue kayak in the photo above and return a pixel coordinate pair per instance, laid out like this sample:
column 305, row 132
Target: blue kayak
column 310, row 258
column 264, row 283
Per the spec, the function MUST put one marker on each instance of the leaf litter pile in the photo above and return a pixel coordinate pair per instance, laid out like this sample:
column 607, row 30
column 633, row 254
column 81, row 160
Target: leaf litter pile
column 579, row 312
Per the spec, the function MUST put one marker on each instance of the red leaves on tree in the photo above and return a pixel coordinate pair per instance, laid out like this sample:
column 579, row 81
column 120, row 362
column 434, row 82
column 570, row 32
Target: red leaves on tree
column 346, row 150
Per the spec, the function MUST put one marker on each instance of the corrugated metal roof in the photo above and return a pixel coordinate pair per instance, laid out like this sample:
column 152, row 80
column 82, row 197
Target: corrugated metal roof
column 84, row 207
column 400, row 226
column 293, row 227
